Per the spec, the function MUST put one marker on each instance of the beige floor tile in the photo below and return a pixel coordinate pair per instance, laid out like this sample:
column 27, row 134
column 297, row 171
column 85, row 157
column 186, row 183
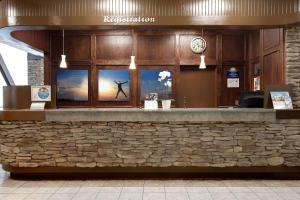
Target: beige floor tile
column 275, row 183
column 61, row 196
column 25, row 190
column 282, row 189
column 16, row 196
column 93, row 183
column 90, row 189
column 38, row 197
column 9, row 183
column 261, row 189
column 236, row 183
column 268, row 196
column 289, row 196
column 46, row 190
column 131, row 196
column 51, row 183
column 154, row 196
column 196, row 189
column 214, row 183
column 240, row 189
column 218, row 189
column 68, row 190
column 175, row 189
column 7, row 190
column 85, row 196
column 2, row 196
column 200, row 196
column 154, row 189
column 195, row 183
column 293, row 183
column 154, row 183
column 176, row 183
column 132, row 189
column 111, row 189
column 177, row 196
column 296, row 189
column 246, row 196
column 134, row 183
column 32, row 184
column 114, row 183
column 223, row 196
column 108, row 196
column 255, row 183
column 73, row 183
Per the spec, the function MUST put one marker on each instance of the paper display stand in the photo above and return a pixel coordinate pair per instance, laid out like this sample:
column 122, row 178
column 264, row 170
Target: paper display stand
column 274, row 88
column 150, row 105
column 39, row 96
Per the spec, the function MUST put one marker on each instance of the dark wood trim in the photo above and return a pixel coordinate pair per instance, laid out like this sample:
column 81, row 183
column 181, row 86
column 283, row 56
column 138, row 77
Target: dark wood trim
column 154, row 172
column 288, row 114
column 22, row 115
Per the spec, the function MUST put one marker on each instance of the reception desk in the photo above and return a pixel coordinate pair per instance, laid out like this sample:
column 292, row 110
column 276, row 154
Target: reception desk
column 135, row 140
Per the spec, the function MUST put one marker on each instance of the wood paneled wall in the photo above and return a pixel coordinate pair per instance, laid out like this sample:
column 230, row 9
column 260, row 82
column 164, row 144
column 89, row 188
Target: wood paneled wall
column 170, row 49
column 159, row 48
column 272, row 57
column 266, row 52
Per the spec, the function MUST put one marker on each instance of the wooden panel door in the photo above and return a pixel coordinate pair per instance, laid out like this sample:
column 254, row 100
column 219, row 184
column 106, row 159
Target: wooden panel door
column 197, row 89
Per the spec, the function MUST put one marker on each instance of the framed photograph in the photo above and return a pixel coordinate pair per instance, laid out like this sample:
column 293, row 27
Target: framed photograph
column 281, row 100
column 73, row 85
column 41, row 93
column 114, row 85
column 156, row 81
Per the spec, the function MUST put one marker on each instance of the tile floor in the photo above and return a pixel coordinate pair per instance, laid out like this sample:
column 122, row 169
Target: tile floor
column 148, row 189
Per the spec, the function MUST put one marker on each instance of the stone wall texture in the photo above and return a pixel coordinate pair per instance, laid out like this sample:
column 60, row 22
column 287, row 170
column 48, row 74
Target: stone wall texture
column 35, row 70
column 292, row 47
column 124, row 144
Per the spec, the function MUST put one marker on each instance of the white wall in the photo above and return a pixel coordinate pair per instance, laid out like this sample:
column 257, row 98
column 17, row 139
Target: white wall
column 16, row 62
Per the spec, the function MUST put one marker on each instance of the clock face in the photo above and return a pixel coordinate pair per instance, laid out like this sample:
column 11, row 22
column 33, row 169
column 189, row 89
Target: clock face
column 198, row 45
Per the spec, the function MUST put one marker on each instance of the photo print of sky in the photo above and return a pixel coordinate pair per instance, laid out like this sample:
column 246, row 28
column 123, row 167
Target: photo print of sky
column 114, row 85
column 151, row 84
column 72, row 85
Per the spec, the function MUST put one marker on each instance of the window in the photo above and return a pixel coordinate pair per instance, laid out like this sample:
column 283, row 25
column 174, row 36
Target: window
column 16, row 63
column 2, row 83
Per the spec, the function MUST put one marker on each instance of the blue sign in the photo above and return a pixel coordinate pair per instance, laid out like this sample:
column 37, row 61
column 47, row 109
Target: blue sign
column 233, row 74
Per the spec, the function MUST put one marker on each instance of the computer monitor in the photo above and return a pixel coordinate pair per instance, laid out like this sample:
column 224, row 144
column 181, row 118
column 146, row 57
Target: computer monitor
column 252, row 99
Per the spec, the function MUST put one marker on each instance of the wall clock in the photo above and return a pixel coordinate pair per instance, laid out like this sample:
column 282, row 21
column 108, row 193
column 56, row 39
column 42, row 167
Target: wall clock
column 198, row 45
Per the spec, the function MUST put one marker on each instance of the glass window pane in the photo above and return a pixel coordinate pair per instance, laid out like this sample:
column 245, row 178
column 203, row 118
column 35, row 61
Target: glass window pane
column 16, row 62
column 2, row 83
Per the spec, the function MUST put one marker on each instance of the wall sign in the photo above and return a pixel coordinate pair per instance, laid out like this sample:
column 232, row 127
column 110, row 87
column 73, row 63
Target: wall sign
column 233, row 74
column 233, row 78
column 127, row 20
column 233, row 83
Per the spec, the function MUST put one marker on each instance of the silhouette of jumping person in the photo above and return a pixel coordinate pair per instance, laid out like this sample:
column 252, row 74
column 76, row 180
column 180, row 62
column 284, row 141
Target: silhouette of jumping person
column 120, row 89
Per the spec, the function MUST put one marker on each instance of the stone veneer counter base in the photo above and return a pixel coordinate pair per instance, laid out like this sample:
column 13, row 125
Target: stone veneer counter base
column 237, row 139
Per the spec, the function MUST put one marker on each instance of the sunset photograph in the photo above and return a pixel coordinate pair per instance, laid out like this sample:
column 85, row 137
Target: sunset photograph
column 72, row 85
column 113, row 85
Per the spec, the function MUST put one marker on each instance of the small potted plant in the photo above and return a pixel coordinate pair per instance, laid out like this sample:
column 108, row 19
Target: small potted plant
column 165, row 78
